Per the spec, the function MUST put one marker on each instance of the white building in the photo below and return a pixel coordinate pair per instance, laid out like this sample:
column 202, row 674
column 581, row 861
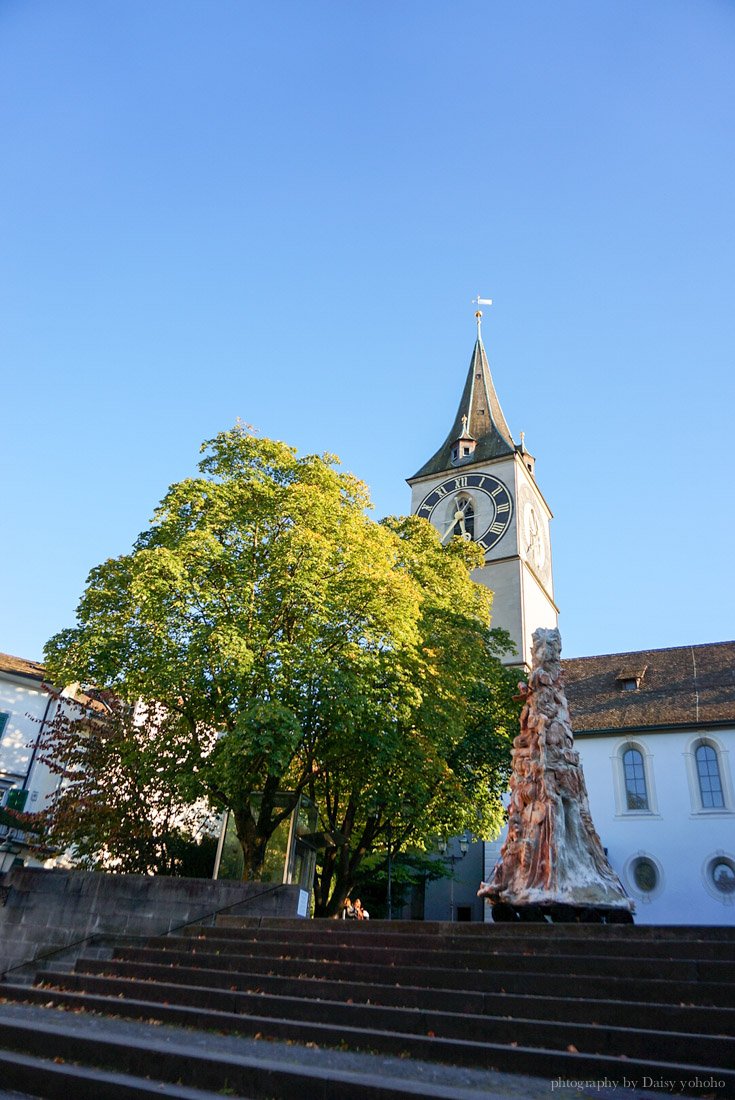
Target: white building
column 26, row 709
column 653, row 729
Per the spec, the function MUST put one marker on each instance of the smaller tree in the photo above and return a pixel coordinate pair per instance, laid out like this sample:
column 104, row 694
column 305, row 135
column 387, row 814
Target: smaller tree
column 114, row 809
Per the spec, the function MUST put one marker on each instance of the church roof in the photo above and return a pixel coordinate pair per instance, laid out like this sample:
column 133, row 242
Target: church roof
column 484, row 421
column 683, row 686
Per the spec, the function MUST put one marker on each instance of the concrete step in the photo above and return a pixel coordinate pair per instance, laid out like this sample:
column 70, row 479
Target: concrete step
column 577, row 1002
column 224, row 954
column 475, row 1028
column 513, row 1057
column 563, row 961
column 338, row 932
column 63, row 1058
column 636, row 1014
column 41, row 1077
column 599, row 933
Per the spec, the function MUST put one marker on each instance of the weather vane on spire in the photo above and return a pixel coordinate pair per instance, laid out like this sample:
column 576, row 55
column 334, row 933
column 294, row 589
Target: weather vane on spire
column 478, row 301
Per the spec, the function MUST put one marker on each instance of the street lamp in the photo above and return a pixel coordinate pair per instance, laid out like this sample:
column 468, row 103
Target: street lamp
column 442, row 845
column 389, row 898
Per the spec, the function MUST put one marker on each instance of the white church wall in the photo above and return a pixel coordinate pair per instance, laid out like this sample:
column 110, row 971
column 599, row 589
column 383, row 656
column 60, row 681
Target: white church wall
column 537, row 610
column 675, row 834
column 503, row 577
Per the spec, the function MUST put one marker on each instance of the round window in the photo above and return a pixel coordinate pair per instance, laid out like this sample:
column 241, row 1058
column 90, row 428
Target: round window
column 722, row 873
column 645, row 875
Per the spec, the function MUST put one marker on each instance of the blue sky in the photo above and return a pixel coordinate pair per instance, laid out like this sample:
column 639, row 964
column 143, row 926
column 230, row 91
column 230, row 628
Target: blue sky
column 281, row 212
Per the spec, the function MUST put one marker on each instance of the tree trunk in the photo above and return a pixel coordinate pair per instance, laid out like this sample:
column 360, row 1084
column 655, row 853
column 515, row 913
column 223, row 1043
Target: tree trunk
column 253, row 833
column 252, row 843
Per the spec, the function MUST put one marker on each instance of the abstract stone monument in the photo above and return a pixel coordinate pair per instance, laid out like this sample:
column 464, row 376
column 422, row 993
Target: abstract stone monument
column 552, row 865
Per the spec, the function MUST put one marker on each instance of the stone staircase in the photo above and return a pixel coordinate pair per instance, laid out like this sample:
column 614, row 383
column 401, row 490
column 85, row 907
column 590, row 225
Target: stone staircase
column 576, row 1002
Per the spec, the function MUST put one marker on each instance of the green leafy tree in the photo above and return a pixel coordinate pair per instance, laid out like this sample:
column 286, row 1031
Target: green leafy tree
column 432, row 756
column 280, row 640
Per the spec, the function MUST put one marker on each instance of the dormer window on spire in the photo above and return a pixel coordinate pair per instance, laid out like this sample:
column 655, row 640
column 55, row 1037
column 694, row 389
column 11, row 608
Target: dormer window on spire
column 464, row 447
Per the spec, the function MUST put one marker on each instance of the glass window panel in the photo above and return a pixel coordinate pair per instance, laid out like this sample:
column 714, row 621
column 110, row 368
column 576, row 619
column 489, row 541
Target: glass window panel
column 710, row 782
column 645, row 875
column 636, row 793
column 723, row 875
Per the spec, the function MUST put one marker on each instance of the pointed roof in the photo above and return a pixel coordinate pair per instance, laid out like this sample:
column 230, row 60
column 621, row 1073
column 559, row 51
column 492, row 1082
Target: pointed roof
column 484, row 421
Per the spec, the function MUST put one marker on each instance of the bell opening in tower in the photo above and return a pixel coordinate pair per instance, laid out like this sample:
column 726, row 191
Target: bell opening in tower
column 465, row 527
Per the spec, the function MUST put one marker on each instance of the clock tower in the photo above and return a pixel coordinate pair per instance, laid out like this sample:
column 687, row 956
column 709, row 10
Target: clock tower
column 480, row 485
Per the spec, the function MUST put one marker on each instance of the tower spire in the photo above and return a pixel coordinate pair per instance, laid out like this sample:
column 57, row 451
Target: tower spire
column 479, row 417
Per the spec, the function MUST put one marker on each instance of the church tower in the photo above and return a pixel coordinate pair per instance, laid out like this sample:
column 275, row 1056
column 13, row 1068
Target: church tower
column 480, row 485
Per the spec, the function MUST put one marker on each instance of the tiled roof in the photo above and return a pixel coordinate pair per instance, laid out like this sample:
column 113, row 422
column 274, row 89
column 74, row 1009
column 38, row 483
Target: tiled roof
column 682, row 686
column 19, row 666
column 484, row 419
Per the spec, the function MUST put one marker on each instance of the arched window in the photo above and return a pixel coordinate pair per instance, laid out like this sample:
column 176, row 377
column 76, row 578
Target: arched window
column 709, row 778
column 634, row 771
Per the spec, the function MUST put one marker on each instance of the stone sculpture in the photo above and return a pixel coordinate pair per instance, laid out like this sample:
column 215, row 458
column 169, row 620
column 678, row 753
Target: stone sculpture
column 552, row 865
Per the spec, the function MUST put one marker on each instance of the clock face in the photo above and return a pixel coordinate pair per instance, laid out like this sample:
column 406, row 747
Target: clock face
column 534, row 535
column 535, row 546
column 473, row 506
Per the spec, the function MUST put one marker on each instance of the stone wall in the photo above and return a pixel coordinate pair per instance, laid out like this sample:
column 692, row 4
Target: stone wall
column 41, row 910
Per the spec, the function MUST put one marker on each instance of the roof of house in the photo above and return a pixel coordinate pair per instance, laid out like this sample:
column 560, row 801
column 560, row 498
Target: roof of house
column 19, row 666
column 682, row 686
column 479, row 417
column 33, row 670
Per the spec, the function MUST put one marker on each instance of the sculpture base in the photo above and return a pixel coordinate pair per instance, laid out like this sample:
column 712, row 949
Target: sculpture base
column 560, row 914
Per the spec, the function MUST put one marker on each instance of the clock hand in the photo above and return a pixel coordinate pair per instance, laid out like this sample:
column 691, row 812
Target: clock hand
column 458, row 517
